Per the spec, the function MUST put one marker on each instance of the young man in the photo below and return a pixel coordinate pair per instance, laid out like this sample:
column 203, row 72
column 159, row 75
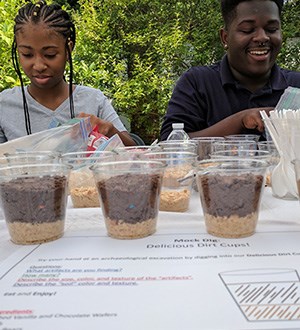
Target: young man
column 225, row 98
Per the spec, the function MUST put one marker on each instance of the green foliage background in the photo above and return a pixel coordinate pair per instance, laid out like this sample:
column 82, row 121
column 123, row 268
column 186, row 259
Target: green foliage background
column 135, row 50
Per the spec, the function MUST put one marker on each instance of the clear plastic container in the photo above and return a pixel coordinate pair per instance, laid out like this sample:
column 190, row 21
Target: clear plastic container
column 230, row 193
column 34, row 201
column 82, row 188
column 178, row 133
column 129, row 194
column 177, row 181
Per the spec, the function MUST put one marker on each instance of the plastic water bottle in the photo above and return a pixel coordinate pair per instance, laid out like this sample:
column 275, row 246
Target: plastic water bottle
column 178, row 133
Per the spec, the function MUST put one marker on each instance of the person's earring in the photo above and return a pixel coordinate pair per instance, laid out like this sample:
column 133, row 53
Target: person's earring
column 225, row 46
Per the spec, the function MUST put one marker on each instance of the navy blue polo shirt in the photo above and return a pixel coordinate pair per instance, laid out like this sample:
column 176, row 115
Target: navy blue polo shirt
column 204, row 95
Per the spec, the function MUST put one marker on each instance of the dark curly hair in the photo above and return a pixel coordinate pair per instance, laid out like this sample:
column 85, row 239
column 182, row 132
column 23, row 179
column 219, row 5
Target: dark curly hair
column 55, row 18
column 228, row 9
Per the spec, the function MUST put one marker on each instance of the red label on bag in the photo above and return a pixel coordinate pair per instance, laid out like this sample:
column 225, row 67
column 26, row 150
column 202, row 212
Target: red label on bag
column 95, row 139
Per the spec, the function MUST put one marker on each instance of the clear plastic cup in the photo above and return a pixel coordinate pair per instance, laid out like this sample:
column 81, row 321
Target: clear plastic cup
column 32, row 157
column 134, row 149
column 254, row 137
column 296, row 164
column 132, row 152
column 177, row 181
column 234, row 145
column 256, row 154
column 230, row 193
column 271, row 148
column 177, row 145
column 82, row 188
column 204, row 145
column 129, row 196
column 274, row 160
column 34, row 201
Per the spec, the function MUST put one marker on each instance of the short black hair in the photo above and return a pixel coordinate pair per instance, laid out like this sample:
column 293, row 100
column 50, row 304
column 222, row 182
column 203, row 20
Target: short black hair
column 228, row 9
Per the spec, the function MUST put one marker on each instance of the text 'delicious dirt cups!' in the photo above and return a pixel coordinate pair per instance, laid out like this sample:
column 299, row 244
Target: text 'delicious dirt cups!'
column 230, row 194
column 34, row 201
column 177, row 180
column 82, row 188
column 129, row 196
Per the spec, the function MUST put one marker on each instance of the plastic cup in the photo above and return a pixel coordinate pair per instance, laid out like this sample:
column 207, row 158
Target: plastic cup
column 254, row 137
column 230, row 193
column 274, row 159
column 177, row 181
column 82, row 188
column 33, row 152
column 296, row 164
column 204, row 145
column 234, row 145
column 39, row 157
column 133, row 149
column 185, row 146
column 34, row 201
column 132, row 152
column 129, row 196
column 271, row 148
column 256, row 154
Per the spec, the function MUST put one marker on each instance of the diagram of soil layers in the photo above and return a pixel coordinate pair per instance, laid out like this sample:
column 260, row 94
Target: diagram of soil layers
column 265, row 294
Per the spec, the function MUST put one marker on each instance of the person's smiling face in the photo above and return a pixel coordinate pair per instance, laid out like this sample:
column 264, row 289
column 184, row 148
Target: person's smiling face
column 42, row 54
column 254, row 40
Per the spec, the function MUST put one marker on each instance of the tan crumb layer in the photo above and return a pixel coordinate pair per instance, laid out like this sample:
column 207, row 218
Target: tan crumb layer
column 173, row 173
column 81, row 178
column 268, row 180
column 124, row 230
column 174, row 201
column 231, row 227
column 85, row 197
column 35, row 233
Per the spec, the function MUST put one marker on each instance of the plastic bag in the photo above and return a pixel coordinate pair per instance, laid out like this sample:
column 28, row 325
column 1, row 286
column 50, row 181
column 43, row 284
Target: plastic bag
column 111, row 144
column 290, row 99
column 69, row 137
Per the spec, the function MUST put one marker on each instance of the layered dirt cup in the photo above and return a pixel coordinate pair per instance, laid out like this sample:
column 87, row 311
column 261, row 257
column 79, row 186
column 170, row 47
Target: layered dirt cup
column 129, row 196
column 34, row 201
column 230, row 194
column 82, row 188
column 177, row 180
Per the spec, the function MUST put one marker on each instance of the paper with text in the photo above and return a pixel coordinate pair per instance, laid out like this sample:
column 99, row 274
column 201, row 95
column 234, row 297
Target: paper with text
column 179, row 281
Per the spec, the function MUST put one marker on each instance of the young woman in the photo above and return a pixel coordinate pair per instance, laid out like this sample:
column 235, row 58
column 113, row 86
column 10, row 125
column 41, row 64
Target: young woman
column 225, row 98
column 44, row 37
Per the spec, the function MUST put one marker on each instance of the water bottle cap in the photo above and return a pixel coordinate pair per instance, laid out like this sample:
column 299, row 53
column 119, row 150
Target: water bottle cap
column 177, row 125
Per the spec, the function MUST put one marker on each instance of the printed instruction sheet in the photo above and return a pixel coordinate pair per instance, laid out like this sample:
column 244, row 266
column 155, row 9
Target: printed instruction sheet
column 165, row 281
